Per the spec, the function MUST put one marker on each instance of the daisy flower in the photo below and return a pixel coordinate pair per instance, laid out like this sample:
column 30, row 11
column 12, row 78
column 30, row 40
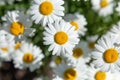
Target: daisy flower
column 18, row 24
column 106, row 55
column 56, row 60
column 66, row 72
column 61, row 37
column 46, row 11
column 103, row 7
column 79, row 55
column 118, row 8
column 28, row 56
column 6, row 46
column 96, row 74
column 78, row 21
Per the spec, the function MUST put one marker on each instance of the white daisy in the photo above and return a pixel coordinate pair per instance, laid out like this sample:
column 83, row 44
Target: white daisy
column 28, row 56
column 61, row 37
column 56, row 60
column 106, row 55
column 79, row 55
column 118, row 8
column 96, row 74
column 66, row 72
column 6, row 46
column 78, row 21
column 18, row 24
column 46, row 11
column 103, row 7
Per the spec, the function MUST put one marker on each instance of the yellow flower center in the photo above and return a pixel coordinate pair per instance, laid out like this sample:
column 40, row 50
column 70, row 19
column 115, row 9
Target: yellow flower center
column 58, row 60
column 111, row 55
column 18, row 45
column 91, row 45
column 100, row 76
column 17, row 28
column 4, row 49
column 75, row 24
column 61, row 38
column 28, row 58
column 70, row 74
column 77, row 52
column 46, row 8
column 104, row 3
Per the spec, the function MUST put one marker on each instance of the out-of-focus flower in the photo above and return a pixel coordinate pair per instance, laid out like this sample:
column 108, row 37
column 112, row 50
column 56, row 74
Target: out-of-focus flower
column 78, row 21
column 103, row 7
column 28, row 56
column 6, row 46
column 18, row 24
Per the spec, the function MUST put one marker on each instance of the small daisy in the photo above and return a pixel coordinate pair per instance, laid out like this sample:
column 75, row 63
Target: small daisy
column 103, row 7
column 28, row 56
column 66, row 72
column 79, row 55
column 118, row 8
column 18, row 24
column 61, row 37
column 78, row 21
column 106, row 55
column 56, row 60
column 96, row 74
column 6, row 46
column 46, row 11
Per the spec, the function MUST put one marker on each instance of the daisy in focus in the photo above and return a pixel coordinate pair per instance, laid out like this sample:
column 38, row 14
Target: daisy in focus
column 28, row 56
column 6, row 46
column 103, row 7
column 61, row 37
column 78, row 21
column 106, row 55
column 46, row 11
column 18, row 24
column 65, row 72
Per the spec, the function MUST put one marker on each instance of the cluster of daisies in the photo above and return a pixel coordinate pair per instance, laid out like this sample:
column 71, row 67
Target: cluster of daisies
column 73, row 59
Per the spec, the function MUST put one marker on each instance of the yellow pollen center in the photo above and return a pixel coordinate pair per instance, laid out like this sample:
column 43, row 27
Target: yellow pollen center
column 17, row 45
column 58, row 60
column 77, row 52
column 91, row 45
column 111, row 55
column 17, row 28
column 70, row 74
column 104, row 3
column 28, row 58
column 75, row 24
column 4, row 49
column 100, row 76
column 46, row 8
column 61, row 38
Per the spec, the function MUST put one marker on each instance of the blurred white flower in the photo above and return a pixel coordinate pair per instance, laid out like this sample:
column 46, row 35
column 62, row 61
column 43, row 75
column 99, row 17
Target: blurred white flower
column 103, row 7
column 18, row 24
column 28, row 56
column 78, row 21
